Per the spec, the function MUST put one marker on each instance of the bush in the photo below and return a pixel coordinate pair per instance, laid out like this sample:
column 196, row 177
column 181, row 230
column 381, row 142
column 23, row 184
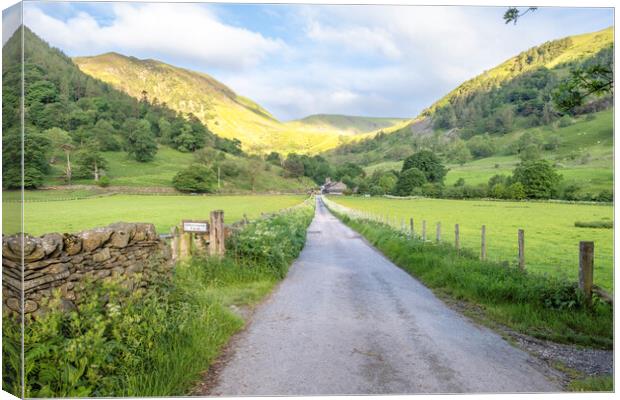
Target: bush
column 195, row 179
column 606, row 196
column 595, row 224
column 565, row 121
column 104, row 181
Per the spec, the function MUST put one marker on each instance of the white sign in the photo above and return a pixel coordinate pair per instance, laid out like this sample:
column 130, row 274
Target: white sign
column 189, row 226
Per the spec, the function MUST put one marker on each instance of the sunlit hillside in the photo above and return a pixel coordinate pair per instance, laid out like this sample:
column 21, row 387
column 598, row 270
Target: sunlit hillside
column 549, row 55
column 226, row 113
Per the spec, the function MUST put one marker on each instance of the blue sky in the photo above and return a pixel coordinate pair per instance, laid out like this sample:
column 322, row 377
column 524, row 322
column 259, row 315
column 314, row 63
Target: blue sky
column 297, row 60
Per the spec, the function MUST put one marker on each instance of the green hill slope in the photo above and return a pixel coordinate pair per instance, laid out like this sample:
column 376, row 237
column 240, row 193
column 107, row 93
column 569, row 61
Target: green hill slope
column 221, row 109
column 548, row 55
column 584, row 155
column 513, row 96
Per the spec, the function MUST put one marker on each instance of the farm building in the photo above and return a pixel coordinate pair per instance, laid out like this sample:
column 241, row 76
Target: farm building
column 333, row 187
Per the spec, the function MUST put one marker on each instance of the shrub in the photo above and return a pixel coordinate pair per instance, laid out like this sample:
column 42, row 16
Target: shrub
column 595, row 224
column 605, row 195
column 565, row 121
column 195, row 179
column 104, row 181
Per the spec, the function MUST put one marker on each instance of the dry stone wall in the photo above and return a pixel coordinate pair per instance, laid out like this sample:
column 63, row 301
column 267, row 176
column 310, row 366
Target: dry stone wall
column 130, row 253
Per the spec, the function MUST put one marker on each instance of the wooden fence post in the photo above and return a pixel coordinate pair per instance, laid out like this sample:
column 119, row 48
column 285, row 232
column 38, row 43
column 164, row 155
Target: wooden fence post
column 411, row 231
column 438, row 232
column 457, row 239
column 521, row 249
column 402, row 225
column 424, row 230
column 483, row 243
column 586, row 269
column 216, row 234
column 185, row 244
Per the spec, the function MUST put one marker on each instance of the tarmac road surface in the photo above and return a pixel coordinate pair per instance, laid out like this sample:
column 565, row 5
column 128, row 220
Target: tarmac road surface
column 346, row 320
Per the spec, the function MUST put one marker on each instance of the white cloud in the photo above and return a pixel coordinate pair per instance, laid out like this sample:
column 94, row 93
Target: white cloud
column 363, row 60
column 185, row 32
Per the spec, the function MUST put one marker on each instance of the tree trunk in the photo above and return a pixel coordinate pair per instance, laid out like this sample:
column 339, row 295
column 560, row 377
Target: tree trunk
column 96, row 172
column 68, row 170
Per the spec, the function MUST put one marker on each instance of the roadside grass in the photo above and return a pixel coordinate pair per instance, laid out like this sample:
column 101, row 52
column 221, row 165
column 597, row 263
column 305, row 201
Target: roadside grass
column 593, row 384
column 156, row 341
column 163, row 211
column 541, row 306
column 551, row 238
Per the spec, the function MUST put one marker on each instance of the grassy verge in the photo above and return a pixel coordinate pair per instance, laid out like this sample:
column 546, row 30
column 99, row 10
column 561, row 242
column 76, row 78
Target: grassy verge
column 537, row 305
column 156, row 342
column 593, row 384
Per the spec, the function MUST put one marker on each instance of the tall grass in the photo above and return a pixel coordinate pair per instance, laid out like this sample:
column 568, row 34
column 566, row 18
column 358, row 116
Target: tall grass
column 538, row 305
column 155, row 342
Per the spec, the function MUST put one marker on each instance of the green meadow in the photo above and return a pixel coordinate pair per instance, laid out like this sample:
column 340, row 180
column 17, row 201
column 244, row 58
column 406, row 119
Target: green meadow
column 551, row 238
column 163, row 211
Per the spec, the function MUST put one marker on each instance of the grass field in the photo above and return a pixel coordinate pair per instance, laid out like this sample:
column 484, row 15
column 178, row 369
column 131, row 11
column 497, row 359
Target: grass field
column 584, row 157
column 126, row 171
column 551, row 239
column 163, row 211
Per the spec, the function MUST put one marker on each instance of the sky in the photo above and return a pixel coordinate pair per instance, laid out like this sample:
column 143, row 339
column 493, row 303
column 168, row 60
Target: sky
column 298, row 60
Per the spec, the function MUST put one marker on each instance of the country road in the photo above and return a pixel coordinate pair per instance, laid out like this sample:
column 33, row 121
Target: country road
column 348, row 321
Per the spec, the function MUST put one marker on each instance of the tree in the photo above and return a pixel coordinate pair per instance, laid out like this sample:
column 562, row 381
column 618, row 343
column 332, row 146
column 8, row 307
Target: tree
column 481, row 146
column 140, row 142
column 195, row 179
column 513, row 14
column 90, row 162
column 293, row 166
column 274, row 158
column 459, row 152
column 36, row 147
column 583, row 82
column 104, row 133
column 409, row 180
column 253, row 170
column 427, row 162
column 539, row 178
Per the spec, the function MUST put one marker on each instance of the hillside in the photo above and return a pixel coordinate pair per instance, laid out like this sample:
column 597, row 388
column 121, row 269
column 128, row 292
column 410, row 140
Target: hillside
column 349, row 123
column 512, row 97
column 224, row 112
column 548, row 55
column 131, row 142
column 584, row 155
